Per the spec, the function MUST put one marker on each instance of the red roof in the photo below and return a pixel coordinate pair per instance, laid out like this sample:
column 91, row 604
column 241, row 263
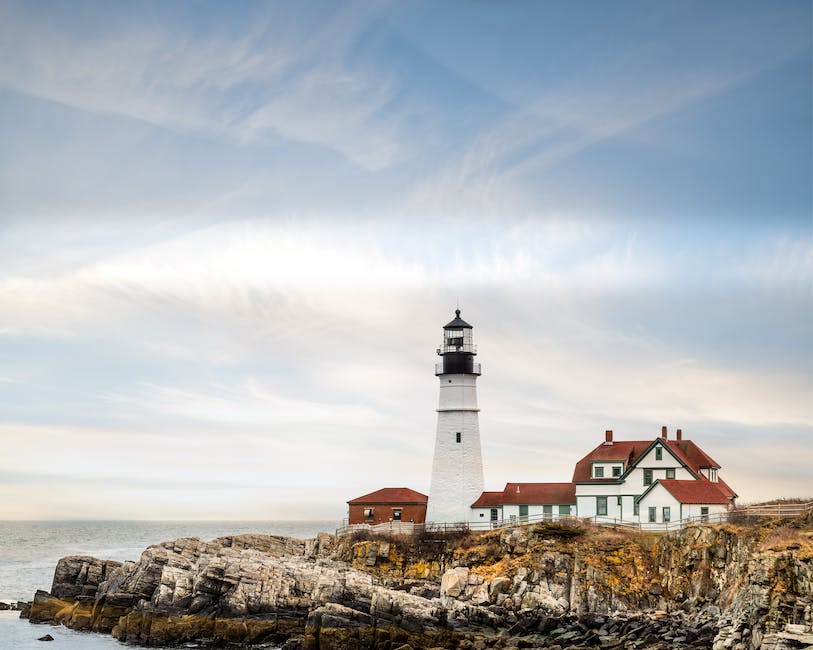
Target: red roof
column 726, row 489
column 626, row 451
column 703, row 491
column 488, row 499
column 391, row 495
column 629, row 451
column 539, row 493
column 695, row 457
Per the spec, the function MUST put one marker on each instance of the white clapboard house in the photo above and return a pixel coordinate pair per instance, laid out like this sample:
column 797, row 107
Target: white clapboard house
column 637, row 481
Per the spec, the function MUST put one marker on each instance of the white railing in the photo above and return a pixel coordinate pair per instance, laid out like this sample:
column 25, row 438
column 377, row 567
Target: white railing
column 408, row 528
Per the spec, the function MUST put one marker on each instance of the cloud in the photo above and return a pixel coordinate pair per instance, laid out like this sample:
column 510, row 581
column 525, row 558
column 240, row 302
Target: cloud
column 277, row 79
column 250, row 403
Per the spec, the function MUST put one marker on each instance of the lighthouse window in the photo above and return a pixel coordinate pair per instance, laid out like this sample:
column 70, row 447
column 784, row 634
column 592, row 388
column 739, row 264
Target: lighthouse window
column 458, row 436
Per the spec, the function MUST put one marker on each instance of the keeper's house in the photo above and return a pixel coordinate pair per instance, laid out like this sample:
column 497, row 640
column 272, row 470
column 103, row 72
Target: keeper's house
column 388, row 504
column 638, row 481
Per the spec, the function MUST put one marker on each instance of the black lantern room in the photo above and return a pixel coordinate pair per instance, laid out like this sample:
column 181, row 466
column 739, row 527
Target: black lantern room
column 457, row 349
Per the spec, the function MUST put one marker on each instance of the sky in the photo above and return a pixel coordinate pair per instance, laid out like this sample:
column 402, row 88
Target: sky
column 230, row 235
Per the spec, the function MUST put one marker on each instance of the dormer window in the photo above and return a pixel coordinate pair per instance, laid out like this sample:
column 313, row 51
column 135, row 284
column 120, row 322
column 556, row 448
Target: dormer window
column 598, row 472
column 658, row 453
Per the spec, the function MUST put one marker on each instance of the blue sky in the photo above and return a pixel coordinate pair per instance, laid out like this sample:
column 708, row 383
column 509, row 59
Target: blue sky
column 230, row 234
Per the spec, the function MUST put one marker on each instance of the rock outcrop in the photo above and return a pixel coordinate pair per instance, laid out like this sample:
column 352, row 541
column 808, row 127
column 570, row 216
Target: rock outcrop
column 710, row 586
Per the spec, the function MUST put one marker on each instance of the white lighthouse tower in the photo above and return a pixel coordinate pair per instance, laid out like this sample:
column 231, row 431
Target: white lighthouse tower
column 457, row 466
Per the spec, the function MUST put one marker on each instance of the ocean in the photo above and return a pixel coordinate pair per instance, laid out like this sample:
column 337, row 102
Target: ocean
column 29, row 551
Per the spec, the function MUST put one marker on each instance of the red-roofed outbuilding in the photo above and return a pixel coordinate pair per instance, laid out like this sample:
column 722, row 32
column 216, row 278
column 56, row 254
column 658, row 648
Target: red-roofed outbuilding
column 388, row 504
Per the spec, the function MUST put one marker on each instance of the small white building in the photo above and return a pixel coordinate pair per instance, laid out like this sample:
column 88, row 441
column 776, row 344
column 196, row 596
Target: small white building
column 665, row 501
column 521, row 502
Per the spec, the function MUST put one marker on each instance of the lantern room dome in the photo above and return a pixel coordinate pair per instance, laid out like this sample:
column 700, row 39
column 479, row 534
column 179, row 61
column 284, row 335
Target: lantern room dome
column 457, row 323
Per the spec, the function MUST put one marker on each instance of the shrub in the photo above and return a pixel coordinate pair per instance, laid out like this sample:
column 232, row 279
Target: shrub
column 559, row 531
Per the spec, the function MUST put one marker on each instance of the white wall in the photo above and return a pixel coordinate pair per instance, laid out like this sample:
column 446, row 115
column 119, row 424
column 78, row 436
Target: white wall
column 483, row 515
column 608, row 469
column 586, row 498
column 457, row 467
column 658, row 497
column 693, row 509
column 635, row 480
column 536, row 511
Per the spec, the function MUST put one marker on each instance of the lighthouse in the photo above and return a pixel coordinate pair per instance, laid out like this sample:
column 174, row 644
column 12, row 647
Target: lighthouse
column 457, row 466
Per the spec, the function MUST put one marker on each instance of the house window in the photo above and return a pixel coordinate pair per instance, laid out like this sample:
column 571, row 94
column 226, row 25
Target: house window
column 713, row 475
column 658, row 453
column 636, row 509
column 667, row 513
column 396, row 514
column 368, row 513
column 618, row 502
column 601, row 506
column 652, row 514
column 670, row 473
column 458, row 436
column 647, row 477
column 564, row 511
column 547, row 512
column 494, row 514
column 616, row 471
column 598, row 472
column 704, row 513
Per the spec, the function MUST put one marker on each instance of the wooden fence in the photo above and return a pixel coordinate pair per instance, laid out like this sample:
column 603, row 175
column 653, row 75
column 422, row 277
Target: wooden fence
column 780, row 510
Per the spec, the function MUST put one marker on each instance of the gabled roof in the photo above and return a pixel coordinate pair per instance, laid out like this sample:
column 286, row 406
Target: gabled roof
column 631, row 451
column 726, row 489
column 622, row 451
column 695, row 457
column 391, row 495
column 488, row 500
column 703, row 491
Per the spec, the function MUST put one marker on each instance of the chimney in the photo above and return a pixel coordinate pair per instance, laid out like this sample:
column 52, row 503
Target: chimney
column 679, row 435
column 608, row 437
column 517, row 488
column 663, row 433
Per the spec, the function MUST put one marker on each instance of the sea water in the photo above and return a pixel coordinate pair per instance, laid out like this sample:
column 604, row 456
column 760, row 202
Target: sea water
column 29, row 551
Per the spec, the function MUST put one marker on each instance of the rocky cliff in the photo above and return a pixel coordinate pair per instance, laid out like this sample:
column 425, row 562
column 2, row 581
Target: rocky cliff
column 537, row 586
